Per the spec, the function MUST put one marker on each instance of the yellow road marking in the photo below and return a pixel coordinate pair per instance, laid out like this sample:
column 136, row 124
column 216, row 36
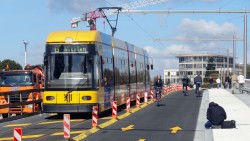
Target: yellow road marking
column 141, row 140
column 85, row 134
column 71, row 132
column 130, row 127
column 15, row 125
column 175, row 129
column 51, row 122
column 23, row 137
column 106, row 124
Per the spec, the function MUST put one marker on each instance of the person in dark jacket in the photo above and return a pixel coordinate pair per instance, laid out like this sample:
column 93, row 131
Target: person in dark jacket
column 158, row 85
column 185, row 81
column 215, row 115
column 197, row 82
column 211, row 81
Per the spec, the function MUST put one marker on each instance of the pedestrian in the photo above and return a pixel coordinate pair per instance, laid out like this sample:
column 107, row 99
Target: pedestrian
column 197, row 82
column 230, row 81
column 218, row 82
column 234, row 81
column 158, row 86
column 185, row 81
column 226, row 82
column 241, row 81
column 211, row 81
column 215, row 115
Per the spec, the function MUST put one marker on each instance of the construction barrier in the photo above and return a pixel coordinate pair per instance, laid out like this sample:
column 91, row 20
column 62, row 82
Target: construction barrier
column 94, row 116
column 17, row 134
column 152, row 95
column 114, row 109
column 146, row 97
column 128, row 104
column 138, row 100
column 66, row 126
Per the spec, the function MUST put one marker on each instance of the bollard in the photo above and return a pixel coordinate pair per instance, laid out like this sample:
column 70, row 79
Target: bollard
column 66, row 126
column 114, row 109
column 138, row 100
column 152, row 95
column 128, row 104
column 17, row 134
column 146, row 97
column 94, row 116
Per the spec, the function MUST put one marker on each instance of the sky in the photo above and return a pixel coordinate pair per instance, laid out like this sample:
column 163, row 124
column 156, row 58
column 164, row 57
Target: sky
column 31, row 21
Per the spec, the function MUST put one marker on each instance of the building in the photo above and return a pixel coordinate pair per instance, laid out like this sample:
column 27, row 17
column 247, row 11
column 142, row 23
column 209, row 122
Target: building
column 193, row 64
column 171, row 76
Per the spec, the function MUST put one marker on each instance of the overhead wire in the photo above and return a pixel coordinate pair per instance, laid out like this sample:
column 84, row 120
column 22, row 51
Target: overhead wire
column 138, row 25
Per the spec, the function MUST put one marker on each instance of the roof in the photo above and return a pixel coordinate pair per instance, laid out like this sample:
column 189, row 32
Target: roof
column 202, row 55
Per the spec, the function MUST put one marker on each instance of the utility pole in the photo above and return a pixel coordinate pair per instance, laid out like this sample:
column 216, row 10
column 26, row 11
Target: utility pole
column 245, row 46
column 25, row 52
column 234, row 52
column 227, row 62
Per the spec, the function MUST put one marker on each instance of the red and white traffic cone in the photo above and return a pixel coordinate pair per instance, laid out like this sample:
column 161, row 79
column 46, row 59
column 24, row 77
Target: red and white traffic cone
column 128, row 104
column 114, row 109
column 94, row 116
column 17, row 134
column 66, row 126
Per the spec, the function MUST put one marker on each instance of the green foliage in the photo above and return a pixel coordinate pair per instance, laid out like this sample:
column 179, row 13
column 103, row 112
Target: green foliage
column 210, row 67
column 248, row 72
column 13, row 65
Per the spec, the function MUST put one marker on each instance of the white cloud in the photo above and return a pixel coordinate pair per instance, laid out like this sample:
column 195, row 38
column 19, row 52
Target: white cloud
column 75, row 6
column 81, row 6
column 202, row 28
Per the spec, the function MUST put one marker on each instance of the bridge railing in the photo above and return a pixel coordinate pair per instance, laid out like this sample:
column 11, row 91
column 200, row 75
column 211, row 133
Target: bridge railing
column 246, row 86
column 19, row 102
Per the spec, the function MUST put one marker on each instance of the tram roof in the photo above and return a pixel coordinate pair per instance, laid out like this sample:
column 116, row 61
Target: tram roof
column 92, row 36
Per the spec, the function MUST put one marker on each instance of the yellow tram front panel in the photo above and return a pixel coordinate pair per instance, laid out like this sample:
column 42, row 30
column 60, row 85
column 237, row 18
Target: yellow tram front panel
column 74, row 97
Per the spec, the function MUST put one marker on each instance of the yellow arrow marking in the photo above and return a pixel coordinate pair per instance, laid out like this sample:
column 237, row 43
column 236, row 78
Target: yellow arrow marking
column 130, row 127
column 175, row 129
column 15, row 125
column 23, row 137
column 141, row 140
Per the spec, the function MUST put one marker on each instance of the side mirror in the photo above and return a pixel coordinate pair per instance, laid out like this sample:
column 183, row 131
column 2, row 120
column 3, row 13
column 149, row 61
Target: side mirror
column 45, row 60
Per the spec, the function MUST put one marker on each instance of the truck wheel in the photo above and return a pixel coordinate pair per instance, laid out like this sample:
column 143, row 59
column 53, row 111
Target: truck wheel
column 5, row 115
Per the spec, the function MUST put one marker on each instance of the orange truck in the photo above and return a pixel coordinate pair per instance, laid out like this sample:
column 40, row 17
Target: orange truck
column 21, row 86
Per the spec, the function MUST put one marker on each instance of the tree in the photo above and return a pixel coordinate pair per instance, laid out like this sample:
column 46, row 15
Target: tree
column 210, row 69
column 13, row 65
column 248, row 72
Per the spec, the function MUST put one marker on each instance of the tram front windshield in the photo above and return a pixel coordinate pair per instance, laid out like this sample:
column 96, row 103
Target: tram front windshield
column 70, row 66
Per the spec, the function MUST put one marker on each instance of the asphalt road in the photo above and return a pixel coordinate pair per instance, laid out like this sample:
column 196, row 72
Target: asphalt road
column 154, row 123
column 151, row 123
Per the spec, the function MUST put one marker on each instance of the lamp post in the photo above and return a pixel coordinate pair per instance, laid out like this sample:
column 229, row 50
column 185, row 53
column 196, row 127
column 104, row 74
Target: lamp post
column 25, row 52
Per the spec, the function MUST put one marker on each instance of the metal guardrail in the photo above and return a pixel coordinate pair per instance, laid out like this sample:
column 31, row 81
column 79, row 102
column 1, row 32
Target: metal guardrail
column 246, row 87
column 20, row 103
column 247, row 83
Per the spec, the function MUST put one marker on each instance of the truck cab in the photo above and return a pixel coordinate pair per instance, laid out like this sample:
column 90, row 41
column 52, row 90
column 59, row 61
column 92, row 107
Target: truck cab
column 20, row 86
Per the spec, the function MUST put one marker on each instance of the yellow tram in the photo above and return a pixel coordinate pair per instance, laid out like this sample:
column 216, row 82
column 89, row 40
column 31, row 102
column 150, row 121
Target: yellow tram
column 90, row 68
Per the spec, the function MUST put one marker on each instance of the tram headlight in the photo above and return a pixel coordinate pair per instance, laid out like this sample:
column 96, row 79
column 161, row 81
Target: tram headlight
column 50, row 98
column 86, row 97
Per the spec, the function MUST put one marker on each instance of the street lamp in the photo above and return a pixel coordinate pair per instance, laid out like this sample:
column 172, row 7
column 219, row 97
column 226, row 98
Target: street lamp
column 25, row 52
